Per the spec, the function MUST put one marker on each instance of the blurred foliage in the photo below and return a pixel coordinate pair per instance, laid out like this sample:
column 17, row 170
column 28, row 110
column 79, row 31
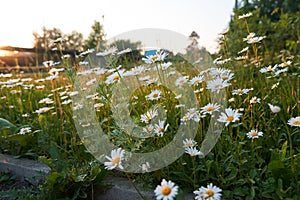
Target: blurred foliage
column 96, row 39
column 278, row 21
column 73, row 40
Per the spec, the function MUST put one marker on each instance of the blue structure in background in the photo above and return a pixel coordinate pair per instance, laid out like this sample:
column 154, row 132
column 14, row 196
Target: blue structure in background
column 150, row 53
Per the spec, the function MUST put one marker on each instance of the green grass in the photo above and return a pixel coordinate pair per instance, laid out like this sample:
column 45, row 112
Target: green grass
column 264, row 168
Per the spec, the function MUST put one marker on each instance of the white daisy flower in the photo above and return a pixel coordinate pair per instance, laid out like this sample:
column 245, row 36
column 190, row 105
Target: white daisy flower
column 230, row 115
column 294, row 121
column 25, row 130
column 181, row 80
column 245, row 15
column 39, row 87
column 155, row 95
column 145, row 167
column 89, row 51
column 285, row 64
column 110, row 51
column 227, row 76
column 192, row 114
column 26, row 79
column 66, row 102
column 193, row 151
column 243, row 50
column 148, row 129
column 71, row 94
column 255, row 39
column 160, row 128
column 46, row 101
column 149, row 115
column 240, row 92
column 124, row 51
column 189, row 143
column 249, row 37
column 196, row 80
column 216, row 72
column 66, row 56
column 254, row 100
column 117, row 155
column 98, row 105
column 43, row 110
column 210, row 108
column 135, row 71
column 268, row 69
column 274, row 109
column 166, row 190
column 25, row 115
column 77, row 106
column 281, row 71
column 115, row 77
column 254, row 134
column 217, row 84
column 159, row 56
column 241, row 58
column 211, row 192
column 231, row 99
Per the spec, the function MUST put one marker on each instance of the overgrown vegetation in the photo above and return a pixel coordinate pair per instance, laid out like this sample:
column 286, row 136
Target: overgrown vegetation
column 257, row 155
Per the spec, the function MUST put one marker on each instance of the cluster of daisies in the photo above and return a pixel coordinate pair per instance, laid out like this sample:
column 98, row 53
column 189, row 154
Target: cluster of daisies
column 167, row 190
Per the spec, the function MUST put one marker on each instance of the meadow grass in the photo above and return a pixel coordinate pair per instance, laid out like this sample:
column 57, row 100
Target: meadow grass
column 243, row 163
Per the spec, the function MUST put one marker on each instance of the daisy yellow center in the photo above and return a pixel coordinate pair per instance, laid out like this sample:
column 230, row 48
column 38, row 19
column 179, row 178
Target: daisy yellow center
column 254, row 134
column 296, row 122
column 210, row 108
column 166, row 190
column 25, row 130
column 210, row 193
column 116, row 77
column 115, row 161
column 230, row 118
column 161, row 130
column 154, row 57
column 240, row 92
column 155, row 95
column 185, row 117
column 197, row 81
column 225, row 78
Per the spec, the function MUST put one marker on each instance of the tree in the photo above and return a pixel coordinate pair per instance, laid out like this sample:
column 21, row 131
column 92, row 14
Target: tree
column 123, row 44
column 43, row 41
column 71, row 41
column 96, row 39
column 193, row 51
column 269, row 19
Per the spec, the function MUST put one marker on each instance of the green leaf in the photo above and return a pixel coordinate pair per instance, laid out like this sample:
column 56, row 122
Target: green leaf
column 276, row 165
column 283, row 150
column 232, row 175
column 5, row 124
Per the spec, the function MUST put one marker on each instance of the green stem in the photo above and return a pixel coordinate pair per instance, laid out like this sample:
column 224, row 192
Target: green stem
column 194, row 172
column 138, row 191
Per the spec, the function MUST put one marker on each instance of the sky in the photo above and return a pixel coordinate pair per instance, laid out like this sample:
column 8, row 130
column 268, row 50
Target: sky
column 20, row 18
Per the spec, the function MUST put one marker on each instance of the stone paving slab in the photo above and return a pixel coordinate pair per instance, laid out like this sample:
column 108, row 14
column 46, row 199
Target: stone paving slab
column 33, row 171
